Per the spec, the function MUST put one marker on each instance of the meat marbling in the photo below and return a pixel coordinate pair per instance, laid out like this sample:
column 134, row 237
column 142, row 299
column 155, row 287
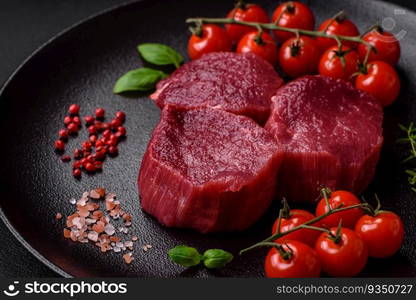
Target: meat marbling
column 209, row 170
column 330, row 133
column 239, row 83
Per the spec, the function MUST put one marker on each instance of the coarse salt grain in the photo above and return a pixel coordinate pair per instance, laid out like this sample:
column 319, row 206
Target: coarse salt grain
column 93, row 236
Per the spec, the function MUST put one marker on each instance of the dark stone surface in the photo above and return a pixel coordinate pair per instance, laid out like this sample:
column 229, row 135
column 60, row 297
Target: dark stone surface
column 81, row 67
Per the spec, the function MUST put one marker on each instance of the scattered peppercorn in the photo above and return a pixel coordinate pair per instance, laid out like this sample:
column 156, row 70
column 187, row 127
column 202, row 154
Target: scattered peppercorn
column 115, row 123
column 76, row 121
column 78, row 153
column 66, row 158
column 67, row 120
column 89, row 167
column 72, row 128
column 89, row 120
column 93, row 138
column 92, row 129
column 113, row 150
column 76, row 173
column 122, row 131
column 86, row 145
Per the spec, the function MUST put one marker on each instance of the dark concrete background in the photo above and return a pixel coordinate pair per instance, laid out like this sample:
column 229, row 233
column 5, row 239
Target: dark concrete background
column 24, row 26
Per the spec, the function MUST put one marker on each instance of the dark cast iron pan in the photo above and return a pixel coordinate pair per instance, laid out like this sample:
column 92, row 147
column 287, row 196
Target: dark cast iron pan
column 81, row 66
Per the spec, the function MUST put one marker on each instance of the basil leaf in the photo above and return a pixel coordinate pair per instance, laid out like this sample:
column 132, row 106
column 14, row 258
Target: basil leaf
column 159, row 54
column 143, row 79
column 216, row 258
column 185, row 256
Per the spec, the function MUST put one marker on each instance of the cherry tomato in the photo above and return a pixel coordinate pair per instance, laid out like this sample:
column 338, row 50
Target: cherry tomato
column 248, row 13
column 302, row 263
column 338, row 26
column 213, row 39
column 292, row 14
column 388, row 47
column 343, row 259
column 339, row 64
column 297, row 217
column 299, row 57
column 264, row 46
column 383, row 233
column 381, row 80
column 349, row 217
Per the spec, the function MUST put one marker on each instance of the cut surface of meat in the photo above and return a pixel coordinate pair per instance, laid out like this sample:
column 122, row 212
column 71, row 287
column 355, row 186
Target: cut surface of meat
column 239, row 83
column 330, row 133
column 208, row 170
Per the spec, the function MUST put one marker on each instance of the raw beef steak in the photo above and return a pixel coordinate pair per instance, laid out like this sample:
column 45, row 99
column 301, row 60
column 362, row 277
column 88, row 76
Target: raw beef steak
column 239, row 83
column 330, row 133
column 209, row 170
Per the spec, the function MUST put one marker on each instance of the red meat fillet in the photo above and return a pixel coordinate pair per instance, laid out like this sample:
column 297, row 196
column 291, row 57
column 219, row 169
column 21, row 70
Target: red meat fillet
column 209, row 170
column 330, row 133
column 239, row 83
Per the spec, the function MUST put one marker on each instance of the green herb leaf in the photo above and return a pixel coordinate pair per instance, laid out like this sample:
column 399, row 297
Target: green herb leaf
column 185, row 256
column 159, row 54
column 216, row 258
column 143, row 79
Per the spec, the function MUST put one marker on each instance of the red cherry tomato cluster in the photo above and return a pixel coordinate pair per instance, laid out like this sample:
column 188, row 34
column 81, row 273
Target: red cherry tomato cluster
column 338, row 244
column 91, row 155
column 370, row 69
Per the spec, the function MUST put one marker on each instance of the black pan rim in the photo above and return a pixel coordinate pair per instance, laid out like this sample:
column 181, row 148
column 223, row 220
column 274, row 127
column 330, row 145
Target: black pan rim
column 59, row 271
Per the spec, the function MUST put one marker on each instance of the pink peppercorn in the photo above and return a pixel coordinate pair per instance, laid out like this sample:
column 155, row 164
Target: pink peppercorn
column 67, row 120
column 63, row 134
column 98, row 165
column 122, row 131
column 121, row 116
column 113, row 150
column 78, row 153
column 76, row 173
column 59, row 145
column 99, row 143
column 93, row 138
column 86, row 145
column 72, row 128
column 99, row 113
column 92, row 129
column 66, row 158
column 89, row 120
column 77, row 165
column 76, row 121
column 115, row 123
column 89, row 167
column 107, row 134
